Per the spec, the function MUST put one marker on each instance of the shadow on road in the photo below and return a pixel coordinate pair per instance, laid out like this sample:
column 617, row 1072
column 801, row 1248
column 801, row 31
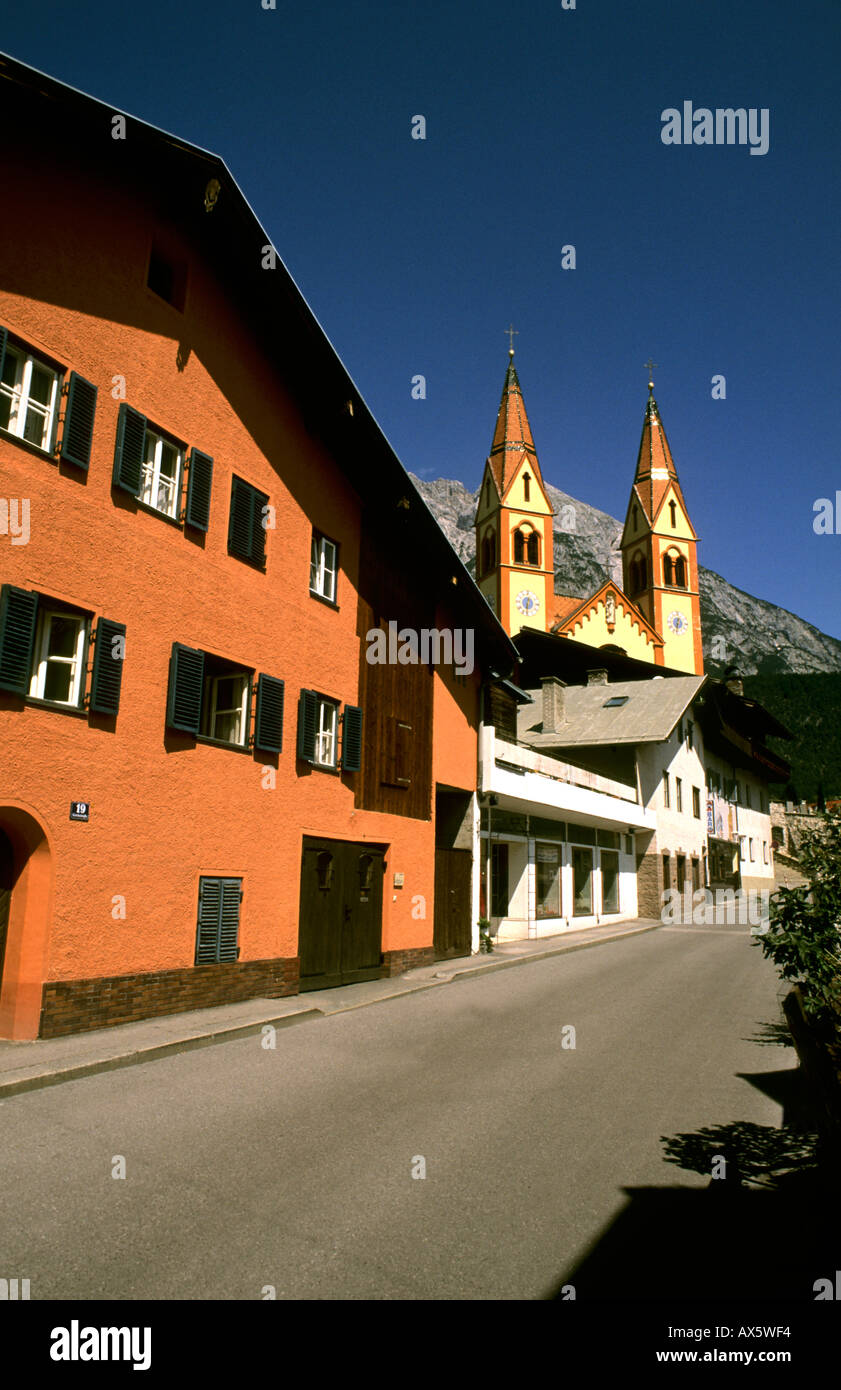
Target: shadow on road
column 766, row 1229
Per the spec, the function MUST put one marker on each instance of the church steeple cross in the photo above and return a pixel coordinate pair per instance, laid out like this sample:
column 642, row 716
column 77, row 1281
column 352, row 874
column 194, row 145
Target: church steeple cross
column 512, row 332
column 651, row 365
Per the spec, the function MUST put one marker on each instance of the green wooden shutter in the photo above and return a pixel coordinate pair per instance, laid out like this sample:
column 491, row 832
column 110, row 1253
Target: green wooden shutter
column 18, row 614
column 129, row 451
column 217, row 930
column 258, row 529
column 229, row 919
column 207, row 932
column 351, row 738
column 186, row 681
column 77, row 436
column 4, row 333
column 246, row 532
column 198, row 490
column 307, row 725
column 268, row 723
column 239, row 522
column 107, row 676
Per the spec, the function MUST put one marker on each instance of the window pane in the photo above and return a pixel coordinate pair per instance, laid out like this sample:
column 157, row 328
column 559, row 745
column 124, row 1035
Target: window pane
column 582, row 872
column 64, row 634
column 41, row 385
column 610, row 881
column 58, row 681
column 36, row 429
column 11, row 364
column 548, row 880
column 499, row 880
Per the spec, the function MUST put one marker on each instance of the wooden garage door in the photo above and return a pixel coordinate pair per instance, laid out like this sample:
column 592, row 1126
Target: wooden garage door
column 340, row 922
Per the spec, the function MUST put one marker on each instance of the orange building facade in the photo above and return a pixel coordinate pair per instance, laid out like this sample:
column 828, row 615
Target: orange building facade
column 209, row 790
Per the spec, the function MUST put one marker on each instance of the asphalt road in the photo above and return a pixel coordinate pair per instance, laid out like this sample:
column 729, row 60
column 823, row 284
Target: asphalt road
column 248, row 1169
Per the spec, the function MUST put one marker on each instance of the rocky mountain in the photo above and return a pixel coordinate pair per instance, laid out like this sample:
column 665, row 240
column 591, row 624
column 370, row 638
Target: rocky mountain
column 740, row 630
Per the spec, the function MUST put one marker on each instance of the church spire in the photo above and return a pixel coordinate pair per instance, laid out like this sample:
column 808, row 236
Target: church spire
column 659, row 549
column 656, row 472
column 512, row 434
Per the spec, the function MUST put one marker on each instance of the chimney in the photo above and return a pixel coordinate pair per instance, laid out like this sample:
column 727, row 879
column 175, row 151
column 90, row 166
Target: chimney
column 553, row 704
column 598, row 677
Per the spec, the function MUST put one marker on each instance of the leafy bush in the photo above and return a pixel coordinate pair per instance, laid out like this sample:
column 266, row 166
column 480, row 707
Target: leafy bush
column 804, row 934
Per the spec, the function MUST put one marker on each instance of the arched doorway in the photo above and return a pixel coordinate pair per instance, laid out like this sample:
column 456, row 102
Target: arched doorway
column 7, row 881
column 25, row 915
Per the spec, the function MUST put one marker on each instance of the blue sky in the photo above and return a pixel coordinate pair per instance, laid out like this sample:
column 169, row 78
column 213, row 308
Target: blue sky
column 543, row 130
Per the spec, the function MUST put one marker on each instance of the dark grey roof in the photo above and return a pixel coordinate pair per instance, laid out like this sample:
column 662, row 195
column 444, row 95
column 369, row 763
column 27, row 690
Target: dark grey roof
column 649, row 714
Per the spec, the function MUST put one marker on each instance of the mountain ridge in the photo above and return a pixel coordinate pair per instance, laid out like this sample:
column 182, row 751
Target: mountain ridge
column 738, row 629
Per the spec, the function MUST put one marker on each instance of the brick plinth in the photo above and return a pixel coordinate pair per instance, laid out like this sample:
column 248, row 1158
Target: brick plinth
column 396, row 962
column 77, row 1006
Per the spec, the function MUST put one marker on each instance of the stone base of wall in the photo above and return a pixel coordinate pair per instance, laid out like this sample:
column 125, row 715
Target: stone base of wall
column 396, row 962
column 649, row 884
column 756, row 885
column 77, row 1006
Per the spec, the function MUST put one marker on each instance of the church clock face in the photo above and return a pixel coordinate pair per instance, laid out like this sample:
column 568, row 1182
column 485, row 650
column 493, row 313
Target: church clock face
column 677, row 623
column 527, row 602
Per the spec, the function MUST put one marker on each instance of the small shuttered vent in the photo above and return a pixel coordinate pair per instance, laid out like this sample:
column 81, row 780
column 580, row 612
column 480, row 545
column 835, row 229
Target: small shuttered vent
column 197, row 514
column 186, row 679
column 129, row 450
column 108, row 657
column 268, row 724
column 307, row 725
column 217, row 930
column 77, row 437
column 18, row 612
column 351, row 738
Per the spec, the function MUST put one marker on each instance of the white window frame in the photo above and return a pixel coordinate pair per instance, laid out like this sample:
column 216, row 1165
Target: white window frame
column 679, row 795
column 323, row 576
column 77, row 661
column 151, row 473
column 750, row 847
column 667, row 800
column 212, row 697
column 19, row 395
column 327, row 734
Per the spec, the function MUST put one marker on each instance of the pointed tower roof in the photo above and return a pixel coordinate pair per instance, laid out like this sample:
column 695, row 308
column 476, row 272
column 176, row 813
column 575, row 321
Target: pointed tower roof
column 512, row 436
column 656, row 471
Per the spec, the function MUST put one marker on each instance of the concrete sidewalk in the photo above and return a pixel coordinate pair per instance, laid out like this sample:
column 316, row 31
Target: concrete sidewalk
column 28, row 1066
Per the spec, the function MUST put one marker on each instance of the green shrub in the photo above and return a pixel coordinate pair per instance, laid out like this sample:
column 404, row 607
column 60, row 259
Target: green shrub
column 804, row 933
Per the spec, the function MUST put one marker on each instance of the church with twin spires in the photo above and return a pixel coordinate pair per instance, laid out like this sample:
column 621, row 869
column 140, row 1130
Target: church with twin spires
column 655, row 615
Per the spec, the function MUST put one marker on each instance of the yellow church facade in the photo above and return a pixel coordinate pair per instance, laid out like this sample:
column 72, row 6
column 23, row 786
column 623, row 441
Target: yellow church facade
column 655, row 615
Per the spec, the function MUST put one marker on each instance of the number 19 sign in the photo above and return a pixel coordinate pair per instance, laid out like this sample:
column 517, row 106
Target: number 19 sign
column 80, row 810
